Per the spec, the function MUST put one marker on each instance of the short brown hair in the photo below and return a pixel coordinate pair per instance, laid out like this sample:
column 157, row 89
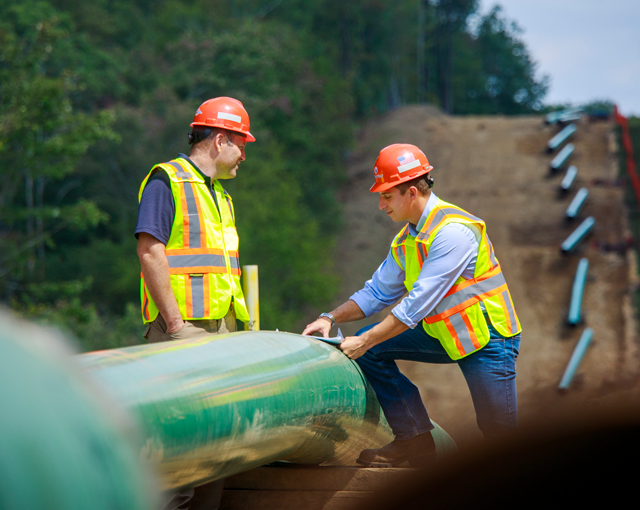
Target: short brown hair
column 200, row 133
column 423, row 183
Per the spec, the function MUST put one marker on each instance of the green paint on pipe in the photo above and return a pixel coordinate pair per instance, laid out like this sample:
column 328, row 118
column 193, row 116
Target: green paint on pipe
column 64, row 444
column 224, row 404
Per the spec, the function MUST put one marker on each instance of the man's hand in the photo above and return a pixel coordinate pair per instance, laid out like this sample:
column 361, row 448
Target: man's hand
column 354, row 346
column 321, row 325
column 155, row 268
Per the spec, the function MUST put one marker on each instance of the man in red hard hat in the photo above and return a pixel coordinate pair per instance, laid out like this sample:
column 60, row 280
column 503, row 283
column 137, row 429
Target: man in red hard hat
column 457, row 309
column 188, row 245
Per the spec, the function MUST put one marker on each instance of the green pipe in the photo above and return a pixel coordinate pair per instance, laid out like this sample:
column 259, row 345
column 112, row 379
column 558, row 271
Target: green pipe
column 571, row 242
column 64, row 445
column 561, row 137
column 224, row 404
column 576, row 358
column 579, row 283
column 577, row 203
column 558, row 162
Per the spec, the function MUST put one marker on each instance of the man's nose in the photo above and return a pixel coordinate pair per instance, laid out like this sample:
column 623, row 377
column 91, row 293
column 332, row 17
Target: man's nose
column 382, row 204
column 242, row 154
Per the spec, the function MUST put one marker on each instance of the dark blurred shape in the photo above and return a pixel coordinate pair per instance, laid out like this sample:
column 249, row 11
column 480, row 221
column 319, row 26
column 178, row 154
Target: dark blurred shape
column 63, row 444
column 578, row 460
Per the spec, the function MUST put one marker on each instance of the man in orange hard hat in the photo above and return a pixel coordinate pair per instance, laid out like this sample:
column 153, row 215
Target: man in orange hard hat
column 188, row 245
column 458, row 310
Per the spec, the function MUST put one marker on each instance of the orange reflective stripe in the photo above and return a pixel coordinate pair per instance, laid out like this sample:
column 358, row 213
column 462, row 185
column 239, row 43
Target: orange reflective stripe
column 505, row 311
column 196, row 251
column 454, row 335
column 422, row 253
column 188, row 298
column 145, row 304
column 472, row 334
column 205, row 296
column 199, row 270
column 440, row 215
column 185, row 216
column 466, row 304
column 473, row 281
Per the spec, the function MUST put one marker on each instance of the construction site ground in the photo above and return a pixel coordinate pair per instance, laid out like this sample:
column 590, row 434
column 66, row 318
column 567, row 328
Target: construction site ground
column 496, row 168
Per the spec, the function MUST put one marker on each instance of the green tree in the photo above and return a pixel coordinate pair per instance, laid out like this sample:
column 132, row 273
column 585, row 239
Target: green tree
column 42, row 139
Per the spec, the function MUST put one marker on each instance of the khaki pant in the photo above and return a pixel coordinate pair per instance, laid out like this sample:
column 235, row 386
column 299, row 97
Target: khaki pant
column 207, row 496
column 157, row 330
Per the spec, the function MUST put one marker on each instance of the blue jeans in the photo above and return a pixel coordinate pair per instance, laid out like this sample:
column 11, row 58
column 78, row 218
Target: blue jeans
column 490, row 374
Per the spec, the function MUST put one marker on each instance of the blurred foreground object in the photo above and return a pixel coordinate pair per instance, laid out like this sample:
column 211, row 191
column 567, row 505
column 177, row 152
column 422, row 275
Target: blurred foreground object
column 224, row 404
column 63, row 445
column 575, row 459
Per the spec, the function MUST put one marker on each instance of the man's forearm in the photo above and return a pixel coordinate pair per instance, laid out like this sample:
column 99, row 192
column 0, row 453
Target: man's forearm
column 155, row 268
column 388, row 328
column 356, row 346
column 347, row 312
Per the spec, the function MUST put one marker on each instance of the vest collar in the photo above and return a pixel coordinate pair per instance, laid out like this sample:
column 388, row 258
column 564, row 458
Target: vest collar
column 431, row 203
column 204, row 177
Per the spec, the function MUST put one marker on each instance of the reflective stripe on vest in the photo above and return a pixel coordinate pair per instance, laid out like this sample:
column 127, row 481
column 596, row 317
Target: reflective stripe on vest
column 461, row 331
column 439, row 217
column 465, row 294
column 458, row 320
column 203, row 260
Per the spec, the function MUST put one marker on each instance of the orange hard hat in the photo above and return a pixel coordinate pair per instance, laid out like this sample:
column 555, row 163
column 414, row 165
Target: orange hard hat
column 398, row 163
column 224, row 113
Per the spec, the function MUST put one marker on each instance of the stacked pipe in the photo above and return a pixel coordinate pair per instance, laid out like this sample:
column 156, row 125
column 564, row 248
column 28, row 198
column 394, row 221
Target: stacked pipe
column 577, row 236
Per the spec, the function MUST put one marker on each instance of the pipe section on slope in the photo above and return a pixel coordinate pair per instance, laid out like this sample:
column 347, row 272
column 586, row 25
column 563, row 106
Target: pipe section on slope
column 224, row 404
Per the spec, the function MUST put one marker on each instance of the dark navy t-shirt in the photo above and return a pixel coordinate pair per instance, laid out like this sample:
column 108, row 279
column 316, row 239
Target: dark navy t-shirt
column 157, row 209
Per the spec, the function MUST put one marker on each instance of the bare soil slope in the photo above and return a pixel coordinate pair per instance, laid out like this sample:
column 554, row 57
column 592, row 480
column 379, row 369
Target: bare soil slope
column 496, row 168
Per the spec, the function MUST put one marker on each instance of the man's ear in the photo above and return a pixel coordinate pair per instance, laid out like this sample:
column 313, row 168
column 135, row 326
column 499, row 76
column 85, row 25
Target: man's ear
column 218, row 141
column 413, row 192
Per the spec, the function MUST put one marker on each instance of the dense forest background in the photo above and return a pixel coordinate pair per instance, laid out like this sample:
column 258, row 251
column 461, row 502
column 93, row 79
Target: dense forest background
column 93, row 94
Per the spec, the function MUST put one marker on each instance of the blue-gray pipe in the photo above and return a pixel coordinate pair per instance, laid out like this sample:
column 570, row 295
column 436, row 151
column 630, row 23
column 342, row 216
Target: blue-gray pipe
column 579, row 282
column 571, row 242
column 558, row 162
column 576, row 358
column 561, row 137
column 576, row 204
column 568, row 179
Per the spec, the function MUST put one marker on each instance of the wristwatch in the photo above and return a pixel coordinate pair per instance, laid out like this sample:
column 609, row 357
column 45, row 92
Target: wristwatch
column 328, row 316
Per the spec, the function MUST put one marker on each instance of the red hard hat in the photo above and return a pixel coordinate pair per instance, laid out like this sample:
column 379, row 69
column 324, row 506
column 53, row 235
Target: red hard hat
column 225, row 113
column 398, row 163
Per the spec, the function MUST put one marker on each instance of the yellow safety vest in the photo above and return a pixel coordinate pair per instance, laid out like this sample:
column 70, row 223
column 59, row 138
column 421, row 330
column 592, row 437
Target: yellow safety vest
column 458, row 320
column 202, row 250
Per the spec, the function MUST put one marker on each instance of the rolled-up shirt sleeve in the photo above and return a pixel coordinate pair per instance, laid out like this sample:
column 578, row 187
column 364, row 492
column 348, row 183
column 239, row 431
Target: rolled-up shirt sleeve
column 452, row 253
column 385, row 287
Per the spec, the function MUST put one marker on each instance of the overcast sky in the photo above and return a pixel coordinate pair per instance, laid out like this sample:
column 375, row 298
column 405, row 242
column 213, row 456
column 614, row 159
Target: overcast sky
column 589, row 48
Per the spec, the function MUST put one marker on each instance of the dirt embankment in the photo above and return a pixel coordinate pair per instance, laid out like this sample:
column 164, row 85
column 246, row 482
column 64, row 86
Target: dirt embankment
column 496, row 168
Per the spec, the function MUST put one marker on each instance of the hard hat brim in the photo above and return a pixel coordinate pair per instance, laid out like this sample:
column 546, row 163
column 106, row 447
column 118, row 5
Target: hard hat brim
column 386, row 186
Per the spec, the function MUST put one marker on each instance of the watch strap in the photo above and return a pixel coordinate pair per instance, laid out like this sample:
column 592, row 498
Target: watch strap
column 328, row 316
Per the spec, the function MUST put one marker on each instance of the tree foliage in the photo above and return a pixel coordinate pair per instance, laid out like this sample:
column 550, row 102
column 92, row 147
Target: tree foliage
column 93, row 94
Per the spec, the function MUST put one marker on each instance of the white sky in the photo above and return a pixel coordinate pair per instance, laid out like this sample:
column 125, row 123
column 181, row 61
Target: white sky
column 589, row 48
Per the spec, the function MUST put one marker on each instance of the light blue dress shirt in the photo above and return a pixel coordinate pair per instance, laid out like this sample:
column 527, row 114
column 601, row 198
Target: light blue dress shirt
column 451, row 255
